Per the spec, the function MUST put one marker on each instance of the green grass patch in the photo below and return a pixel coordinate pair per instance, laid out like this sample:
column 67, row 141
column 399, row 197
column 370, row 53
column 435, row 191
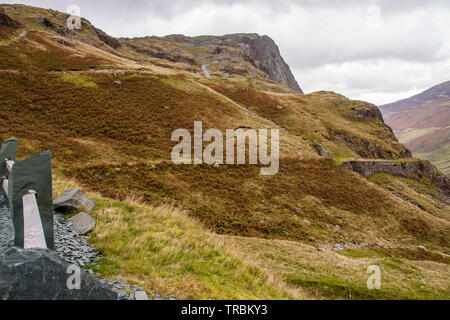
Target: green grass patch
column 410, row 254
column 336, row 288
column 79, row 80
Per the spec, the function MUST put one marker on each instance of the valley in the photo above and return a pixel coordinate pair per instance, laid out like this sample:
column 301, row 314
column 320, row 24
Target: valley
column 107, row 108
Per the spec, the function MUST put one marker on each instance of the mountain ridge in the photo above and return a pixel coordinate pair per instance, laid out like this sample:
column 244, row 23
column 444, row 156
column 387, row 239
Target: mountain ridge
column 422, row 123
column 248, row 55
column 245, row 55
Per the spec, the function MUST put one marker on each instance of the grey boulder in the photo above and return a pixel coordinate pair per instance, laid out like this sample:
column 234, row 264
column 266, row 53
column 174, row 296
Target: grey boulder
column 83, row 222
column 38, row 274
column 74, row 199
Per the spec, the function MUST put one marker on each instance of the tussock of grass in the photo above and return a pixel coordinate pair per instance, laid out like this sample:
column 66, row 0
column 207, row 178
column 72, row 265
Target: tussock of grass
column 165, row 251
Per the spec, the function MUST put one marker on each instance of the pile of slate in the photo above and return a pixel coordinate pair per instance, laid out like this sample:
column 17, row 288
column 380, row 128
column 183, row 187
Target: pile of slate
column 22, row 271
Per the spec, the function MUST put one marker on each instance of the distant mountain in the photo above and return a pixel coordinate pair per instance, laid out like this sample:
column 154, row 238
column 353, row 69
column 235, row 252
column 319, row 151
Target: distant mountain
column 422, row 123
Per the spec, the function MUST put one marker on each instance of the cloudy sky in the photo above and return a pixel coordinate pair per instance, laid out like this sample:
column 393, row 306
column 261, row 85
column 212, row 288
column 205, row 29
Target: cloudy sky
column 374, row 50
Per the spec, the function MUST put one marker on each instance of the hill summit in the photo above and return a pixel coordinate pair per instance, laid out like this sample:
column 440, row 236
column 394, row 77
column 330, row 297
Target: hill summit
column 237, row 55
column 245, row 55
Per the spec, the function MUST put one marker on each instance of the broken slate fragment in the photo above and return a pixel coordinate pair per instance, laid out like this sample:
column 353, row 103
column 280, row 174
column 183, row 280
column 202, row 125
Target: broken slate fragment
column 74, row 199
column 140, row 295
column 38, row 274
column 83, row 223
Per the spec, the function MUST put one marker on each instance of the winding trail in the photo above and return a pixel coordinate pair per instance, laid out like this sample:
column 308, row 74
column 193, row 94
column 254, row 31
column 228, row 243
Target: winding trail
column 205, row 70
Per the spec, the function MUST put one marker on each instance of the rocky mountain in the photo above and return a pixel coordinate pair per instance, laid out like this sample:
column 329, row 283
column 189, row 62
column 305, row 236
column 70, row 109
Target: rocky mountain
column 347, row 192
column 422, row 123
column 245, row 55
column 238, row 55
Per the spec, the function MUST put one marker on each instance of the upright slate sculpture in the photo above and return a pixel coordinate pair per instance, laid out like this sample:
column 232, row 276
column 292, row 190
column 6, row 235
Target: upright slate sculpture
column 7, row 152
column 32, row 176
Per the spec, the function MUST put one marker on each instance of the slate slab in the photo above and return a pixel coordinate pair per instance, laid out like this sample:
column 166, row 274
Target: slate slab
column 39, row 274
column 74, row 199
column 83, row 222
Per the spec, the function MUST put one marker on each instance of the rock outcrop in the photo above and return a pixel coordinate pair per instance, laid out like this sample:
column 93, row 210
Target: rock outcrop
column 410, row 169
column 266, row 56
column 74, row 199
column 246, row 55
column 38, row 274
column 370, row 150
column 108, row 40
column 6, row 21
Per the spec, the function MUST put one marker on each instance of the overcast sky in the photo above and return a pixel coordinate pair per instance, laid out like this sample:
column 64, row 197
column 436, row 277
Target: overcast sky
column 376, row 50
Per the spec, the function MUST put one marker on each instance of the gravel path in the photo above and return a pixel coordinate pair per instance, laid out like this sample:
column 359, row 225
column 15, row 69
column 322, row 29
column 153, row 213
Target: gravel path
column 69, row 245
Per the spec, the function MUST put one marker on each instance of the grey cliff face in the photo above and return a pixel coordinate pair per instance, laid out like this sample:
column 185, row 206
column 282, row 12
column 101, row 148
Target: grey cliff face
column 266, row 52
column 247, row 55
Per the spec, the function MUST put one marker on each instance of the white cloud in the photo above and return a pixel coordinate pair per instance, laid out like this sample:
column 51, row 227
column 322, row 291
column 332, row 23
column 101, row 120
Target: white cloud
column 378, row 81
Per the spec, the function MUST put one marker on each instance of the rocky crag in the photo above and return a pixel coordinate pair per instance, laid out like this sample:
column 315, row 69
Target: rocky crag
column 249, row 55
column 414, row 169
column 235, row 55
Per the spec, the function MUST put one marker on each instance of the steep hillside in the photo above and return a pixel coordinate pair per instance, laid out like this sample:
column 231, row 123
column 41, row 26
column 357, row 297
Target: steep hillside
column 245, row 55
column 422, row 124
column 107, row 110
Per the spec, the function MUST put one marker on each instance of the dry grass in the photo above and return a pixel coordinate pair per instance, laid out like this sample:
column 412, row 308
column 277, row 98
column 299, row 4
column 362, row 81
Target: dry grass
column 37, row 53
column 121, row 132
column 405, row 274
column 424, row 194
column 306, row 199
column 165, row 251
